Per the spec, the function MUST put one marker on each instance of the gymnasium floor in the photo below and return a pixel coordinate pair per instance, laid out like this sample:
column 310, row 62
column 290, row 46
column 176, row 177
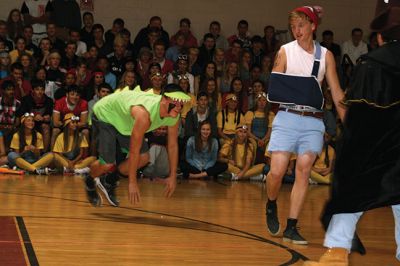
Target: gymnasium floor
column 46, row 220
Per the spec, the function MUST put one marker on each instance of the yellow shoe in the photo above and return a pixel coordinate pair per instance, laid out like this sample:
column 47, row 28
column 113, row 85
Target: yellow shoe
column 332, row 257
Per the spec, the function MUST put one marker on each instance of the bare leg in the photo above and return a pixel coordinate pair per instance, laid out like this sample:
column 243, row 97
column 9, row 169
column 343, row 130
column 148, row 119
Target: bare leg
column 279, row 164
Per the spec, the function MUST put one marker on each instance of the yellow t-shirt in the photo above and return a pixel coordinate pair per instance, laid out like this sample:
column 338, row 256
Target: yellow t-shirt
column 250, row 115
column 227, row 149
column 320, row 162
column 59, row 144
column 28, row 139
column 230, row 125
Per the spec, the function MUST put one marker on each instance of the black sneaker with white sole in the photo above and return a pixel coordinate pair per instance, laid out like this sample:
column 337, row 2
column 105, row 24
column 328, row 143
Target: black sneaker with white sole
column 91, row 192
column 292, row 235
column 271, row 212
column 108, row 190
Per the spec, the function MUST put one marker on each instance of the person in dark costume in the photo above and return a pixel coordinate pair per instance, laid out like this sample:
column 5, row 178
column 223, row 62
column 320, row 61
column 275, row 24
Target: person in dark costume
column 367, row 168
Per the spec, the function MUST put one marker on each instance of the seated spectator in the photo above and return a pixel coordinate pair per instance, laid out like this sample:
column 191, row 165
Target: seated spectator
column 86, row 31
column 71, row 103
column 21, row 86
column 229, row 118
column 71, row 146
column 184, row 28
column 102, row 90
column 256, row 51
column 206, row 50
column 56, row 43
column 178, row 48
column 93, row 86
column 141, row 37
column 102, row 47
column 81, row 47
column 70, row 79
column 209, row 71
column 214, row 97
column 259, row 123
column 127, row 82
column 8, row 111
column 158, row 166
column 4, row 36
column 55, row 74
column 28, row 35
column 181, row 70
column 322, row 169
column 219, row 59
column 20, row 48
column 184, row 84
column 200, row 113
column 27, row 63
column 5, row 61
column 231, row 71
column 194, row 67
column 117, row 26
column 256, row 88
column 145, row 59
column 327, row 42
column 201, row 155
column 355, row 47
column 271, row 41
column 82, row 73
column 245, row 65
column 238, row 153
column 126, row 36
column 243, row 35
column 27, row 146
column 157, row 81
column 42, row 55
column 167, row 66
column 220, row 40
column 241, row 95
column 103, row 66
column 69, row 59
column 41, row 106
column 14, row 24
column 266, row 67
column 234, row 52
column 91, row 57
column 117, row 59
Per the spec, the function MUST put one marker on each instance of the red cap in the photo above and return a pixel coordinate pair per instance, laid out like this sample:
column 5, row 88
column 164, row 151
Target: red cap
column 310, row 12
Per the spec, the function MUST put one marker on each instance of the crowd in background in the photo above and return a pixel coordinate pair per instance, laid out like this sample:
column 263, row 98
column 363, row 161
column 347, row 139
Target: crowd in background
column 55, row 65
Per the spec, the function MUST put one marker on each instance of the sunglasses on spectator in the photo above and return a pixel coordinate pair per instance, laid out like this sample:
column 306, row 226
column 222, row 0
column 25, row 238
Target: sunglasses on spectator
column 180, row 77
column 262, row 94
column 75, row 118
column 29, row 114
column 182, row 57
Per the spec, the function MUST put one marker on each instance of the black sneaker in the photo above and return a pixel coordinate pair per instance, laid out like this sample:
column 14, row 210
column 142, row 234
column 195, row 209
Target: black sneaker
column 91, row 192
column 108, row 190
column 292, row 235
column 273, row 225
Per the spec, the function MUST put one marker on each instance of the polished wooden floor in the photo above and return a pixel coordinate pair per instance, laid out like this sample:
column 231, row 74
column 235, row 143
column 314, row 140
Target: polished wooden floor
column 204, row 223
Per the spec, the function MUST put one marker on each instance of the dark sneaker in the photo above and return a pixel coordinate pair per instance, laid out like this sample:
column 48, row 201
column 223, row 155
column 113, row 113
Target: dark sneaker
column 273, row 225
column 91, row 192
column 108, row 190
column 292, row 235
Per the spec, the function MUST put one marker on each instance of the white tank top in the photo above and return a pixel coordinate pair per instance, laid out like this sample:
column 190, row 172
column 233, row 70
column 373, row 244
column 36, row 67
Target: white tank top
column 300, row 63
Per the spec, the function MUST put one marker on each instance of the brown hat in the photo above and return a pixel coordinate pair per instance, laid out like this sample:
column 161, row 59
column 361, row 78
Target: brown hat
column 387, row 18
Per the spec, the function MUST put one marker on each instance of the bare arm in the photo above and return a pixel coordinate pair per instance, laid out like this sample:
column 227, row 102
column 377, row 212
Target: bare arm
column 334, row 85
column 57, row 119
column 280, row 61
column 142, row 123
column 170, row 182
column 83, row 119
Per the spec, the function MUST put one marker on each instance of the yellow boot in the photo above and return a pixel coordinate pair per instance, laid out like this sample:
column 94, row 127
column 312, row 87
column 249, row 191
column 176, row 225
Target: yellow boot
column 332, row 257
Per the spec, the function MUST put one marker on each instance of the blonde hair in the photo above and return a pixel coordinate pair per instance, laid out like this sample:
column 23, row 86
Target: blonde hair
column 296, row 14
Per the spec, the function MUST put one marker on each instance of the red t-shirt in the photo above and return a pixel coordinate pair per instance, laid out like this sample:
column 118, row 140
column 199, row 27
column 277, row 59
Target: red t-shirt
column 61, row 106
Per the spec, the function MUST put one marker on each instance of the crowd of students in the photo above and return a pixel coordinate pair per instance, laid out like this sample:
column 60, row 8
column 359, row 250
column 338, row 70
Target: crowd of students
column 50, row 84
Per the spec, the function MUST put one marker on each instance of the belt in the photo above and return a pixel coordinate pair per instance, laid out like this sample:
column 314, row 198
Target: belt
column 318, row 115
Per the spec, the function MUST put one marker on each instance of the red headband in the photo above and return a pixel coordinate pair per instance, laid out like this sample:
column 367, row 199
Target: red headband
column 310, row 12
column 99, row 73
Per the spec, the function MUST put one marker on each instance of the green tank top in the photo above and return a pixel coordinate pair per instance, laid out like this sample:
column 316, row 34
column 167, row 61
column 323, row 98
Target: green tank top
column 115, row 109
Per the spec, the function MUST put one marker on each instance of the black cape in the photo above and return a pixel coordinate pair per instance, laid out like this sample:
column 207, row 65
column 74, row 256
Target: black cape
column 367, row 167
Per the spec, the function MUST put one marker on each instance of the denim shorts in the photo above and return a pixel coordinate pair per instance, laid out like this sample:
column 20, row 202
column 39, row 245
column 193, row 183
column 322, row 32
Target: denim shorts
column 297, row 134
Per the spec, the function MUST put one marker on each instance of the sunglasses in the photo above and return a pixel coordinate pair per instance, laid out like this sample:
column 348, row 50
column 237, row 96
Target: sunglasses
column 182, row 57
column 262, row 94
column 29, row 114
column 183, row 77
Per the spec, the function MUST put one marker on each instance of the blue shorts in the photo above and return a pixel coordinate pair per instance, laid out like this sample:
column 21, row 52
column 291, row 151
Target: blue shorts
column 296, row 134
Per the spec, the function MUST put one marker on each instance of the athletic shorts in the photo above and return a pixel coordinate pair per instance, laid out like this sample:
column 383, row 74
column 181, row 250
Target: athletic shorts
column 296, row 134
column 110, row 143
